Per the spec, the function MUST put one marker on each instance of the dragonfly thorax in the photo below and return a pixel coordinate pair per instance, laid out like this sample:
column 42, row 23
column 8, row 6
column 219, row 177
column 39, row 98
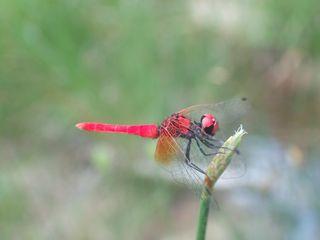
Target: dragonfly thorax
column 177, row 125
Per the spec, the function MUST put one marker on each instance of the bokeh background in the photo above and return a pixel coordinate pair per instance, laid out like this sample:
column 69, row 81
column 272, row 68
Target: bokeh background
column 63, row 62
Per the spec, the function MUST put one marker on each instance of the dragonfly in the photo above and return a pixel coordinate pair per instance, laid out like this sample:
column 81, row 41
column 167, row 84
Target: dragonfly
column 187, row 139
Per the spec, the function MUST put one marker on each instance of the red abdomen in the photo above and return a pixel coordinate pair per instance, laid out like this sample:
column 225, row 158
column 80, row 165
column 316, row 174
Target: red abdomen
column 147, row 131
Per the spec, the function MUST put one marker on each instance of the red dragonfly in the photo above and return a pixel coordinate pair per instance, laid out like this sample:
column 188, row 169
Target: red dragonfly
column 187, row 139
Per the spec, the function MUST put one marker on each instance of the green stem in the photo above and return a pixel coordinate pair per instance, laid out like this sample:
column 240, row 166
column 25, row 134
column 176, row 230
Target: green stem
column 216, row 167
column 203, row 218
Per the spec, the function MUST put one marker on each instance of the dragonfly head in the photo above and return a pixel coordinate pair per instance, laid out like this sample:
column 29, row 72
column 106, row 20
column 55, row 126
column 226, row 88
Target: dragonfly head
column 209, row 124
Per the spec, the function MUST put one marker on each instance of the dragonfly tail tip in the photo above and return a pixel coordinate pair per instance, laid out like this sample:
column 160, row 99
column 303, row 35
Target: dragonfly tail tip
column 80, row 126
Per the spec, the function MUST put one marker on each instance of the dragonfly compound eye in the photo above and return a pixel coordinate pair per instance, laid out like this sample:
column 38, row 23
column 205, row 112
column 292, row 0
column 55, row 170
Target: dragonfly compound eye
column 209, row 124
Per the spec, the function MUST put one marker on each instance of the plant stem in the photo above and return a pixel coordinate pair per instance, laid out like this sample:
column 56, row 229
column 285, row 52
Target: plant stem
column 216, row 167
column 203, row 218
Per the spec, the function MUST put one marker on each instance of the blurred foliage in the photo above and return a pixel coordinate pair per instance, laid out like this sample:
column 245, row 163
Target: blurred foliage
column 62, row 62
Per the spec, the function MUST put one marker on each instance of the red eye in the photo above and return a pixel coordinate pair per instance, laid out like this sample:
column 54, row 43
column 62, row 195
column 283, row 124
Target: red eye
column 209, row 124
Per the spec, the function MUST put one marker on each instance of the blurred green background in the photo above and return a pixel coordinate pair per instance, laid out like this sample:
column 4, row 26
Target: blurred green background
column 63, row 62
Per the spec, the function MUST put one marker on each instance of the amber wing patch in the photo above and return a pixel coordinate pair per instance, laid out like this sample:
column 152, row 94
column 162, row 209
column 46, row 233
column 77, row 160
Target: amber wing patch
column 167, row 149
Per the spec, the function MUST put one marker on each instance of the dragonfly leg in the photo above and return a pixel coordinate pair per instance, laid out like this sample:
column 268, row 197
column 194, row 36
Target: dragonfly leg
column 212, row 139
column 202, row 151
column 212, row 146
column 188, row 161
column 192, row 165
column 207, row 143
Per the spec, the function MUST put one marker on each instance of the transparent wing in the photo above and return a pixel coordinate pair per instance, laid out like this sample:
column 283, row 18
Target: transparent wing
column 171, row 154
column 236, row 168
column 230, row 115
column 171, row 151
